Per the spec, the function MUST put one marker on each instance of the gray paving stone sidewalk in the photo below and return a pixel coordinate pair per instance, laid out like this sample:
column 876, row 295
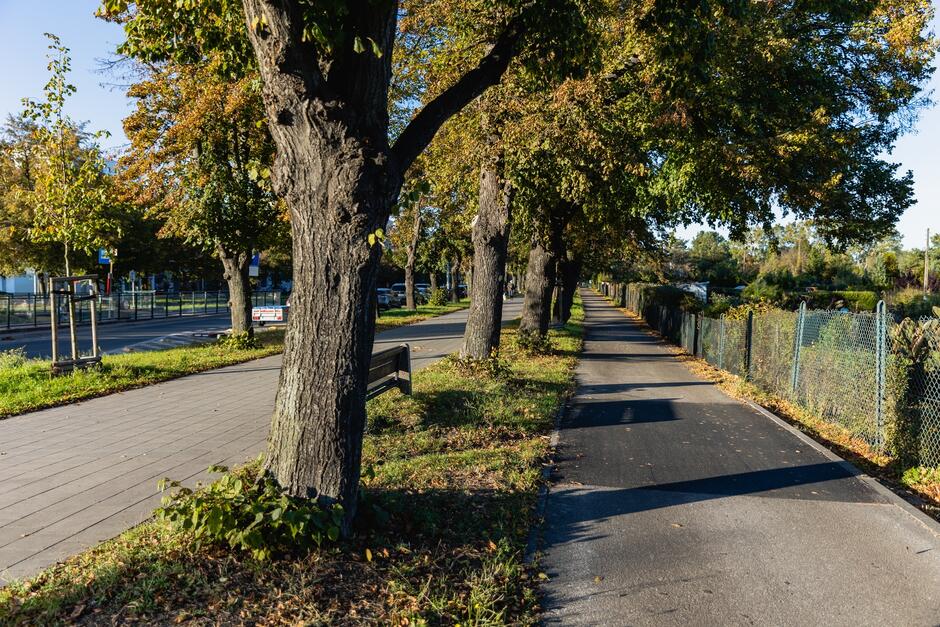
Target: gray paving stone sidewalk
column 73, row 476
column 674, row 504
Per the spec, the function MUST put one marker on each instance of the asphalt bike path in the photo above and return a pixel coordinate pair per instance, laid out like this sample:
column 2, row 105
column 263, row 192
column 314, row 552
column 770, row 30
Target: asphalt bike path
column 674, row 504
column 73, row 476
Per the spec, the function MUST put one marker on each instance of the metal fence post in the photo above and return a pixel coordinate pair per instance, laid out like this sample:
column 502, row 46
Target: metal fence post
column 881, row 341
column 748, row 343
column 697, row 335
column 797, row 345
column 35, row 318
column 721, row 342
column 135, row 305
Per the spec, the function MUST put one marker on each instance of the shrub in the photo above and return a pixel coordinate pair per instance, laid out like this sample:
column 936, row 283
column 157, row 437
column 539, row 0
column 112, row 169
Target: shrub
column 920, row 475
column 761, row 290
column 910, row 303
column 13, row 358
column 249, row 513
column 859, row 300
column 490, row 368
column 533, row 343
column 438, row 297
column 239, row 341
column 719, row 305
column 740, row 312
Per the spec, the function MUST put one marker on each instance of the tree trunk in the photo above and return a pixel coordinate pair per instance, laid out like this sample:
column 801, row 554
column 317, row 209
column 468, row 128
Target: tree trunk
column 490, row 239
column 455, row 282
column 432, row 280
column 337, row 174
column 410, row 263
column 235, row 265
column 556, row 298
column 570, row 273
column 315, row 444
column 539, row 283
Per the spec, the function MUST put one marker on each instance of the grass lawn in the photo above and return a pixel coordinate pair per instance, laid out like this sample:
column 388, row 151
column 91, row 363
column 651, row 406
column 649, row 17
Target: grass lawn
column 27, row 385
column 451, row 478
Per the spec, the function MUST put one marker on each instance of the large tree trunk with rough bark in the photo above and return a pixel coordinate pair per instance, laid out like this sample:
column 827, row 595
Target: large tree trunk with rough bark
column 338, row 176
column 432, row 280
column 235, row 265
column 490, row 240
column 539, row 283
column 319, row 416
column 410, row 262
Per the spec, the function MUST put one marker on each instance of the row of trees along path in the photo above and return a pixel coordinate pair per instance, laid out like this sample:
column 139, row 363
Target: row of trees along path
column 577, row 131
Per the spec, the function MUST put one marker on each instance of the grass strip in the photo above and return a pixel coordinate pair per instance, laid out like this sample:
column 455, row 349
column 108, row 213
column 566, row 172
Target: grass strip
column 920, row 486
column 451, row 478
column 28, row 385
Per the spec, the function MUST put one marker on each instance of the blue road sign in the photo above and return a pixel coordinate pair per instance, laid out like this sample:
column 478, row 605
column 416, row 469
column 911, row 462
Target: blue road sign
column 103, row 256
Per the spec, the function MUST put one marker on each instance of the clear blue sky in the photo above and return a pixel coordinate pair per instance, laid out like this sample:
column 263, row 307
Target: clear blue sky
column 23, row 48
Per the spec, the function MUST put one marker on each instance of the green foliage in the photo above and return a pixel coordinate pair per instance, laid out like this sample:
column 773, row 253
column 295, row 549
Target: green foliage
column 742, row 311
column 249, row 513
column 533, row 343
column 68, row 192
column 239, row 341
column 438, row 297
column 910, row 303
column 717, row 306
column 494, row 367
column 920, row 475
column 12, row 358
column 762, row 290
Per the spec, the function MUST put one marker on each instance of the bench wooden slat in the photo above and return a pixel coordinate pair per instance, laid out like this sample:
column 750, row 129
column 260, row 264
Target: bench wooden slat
column 390, row 368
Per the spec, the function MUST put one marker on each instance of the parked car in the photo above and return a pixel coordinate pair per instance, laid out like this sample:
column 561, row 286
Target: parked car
column 384, row 297
column 420, row 296
column 424, row 290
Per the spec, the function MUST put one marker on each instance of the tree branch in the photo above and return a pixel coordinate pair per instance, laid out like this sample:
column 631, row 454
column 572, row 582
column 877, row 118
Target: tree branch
column 422, row 128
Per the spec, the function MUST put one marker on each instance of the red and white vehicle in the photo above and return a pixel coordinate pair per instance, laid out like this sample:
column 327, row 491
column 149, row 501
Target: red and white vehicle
column 270, row 313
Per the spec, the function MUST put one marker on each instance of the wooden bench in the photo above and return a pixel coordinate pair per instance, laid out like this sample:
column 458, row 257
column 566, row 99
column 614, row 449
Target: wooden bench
column 389, row 369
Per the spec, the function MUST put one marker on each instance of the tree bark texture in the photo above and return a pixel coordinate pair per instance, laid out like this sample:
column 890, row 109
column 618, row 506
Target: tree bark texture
column 539, row 283
column 432, row 280
column 410, row 262
column 556, row 298
column 490, row 240
column 339, row 177
column 235, row 266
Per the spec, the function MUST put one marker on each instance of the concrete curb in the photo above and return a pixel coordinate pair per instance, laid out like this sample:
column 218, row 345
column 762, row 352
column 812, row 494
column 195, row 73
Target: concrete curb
column 535, row 533
column 532, row 545
column 890, row 495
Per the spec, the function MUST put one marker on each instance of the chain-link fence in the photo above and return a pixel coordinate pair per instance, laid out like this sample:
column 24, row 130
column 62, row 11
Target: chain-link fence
column 875, row 377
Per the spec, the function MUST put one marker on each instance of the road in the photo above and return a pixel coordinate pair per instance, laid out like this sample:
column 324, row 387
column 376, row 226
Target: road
column 674, row 504
column 75, row 475
column 112, row 337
